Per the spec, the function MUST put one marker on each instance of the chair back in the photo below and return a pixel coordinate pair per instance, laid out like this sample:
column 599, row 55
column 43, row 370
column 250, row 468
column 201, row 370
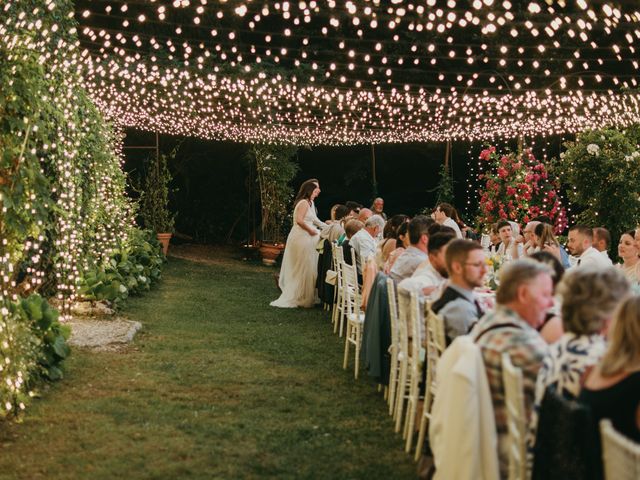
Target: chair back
column 435, row 346
column 338, row 255
column 403, row 318
column 415, row 318
column 621, row 456
column 516, row 427
column 351, row 287
column 393, row 310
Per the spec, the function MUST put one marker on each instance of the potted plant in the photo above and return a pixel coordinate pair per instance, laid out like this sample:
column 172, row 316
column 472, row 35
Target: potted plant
column 275, row 170
column 154, row 200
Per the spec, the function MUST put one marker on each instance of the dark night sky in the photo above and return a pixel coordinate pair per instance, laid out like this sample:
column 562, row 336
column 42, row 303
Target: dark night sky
column 210, row 188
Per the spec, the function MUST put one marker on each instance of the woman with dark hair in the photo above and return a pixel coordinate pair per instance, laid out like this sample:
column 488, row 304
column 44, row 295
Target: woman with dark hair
column 551, row 330
column 390, row 242
column 401, row 244
column 299, row 265
column 628, row 252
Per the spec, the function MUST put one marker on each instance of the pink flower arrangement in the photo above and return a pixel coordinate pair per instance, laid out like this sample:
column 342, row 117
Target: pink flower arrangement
column 518, row 188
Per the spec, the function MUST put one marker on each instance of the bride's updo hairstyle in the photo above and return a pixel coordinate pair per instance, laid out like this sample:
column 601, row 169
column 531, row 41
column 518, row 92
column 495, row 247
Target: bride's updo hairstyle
column 306, row 189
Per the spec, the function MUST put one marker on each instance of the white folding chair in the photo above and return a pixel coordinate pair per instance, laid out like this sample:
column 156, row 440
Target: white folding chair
column 516, row 418
column 354, row 316
column 403, row 362
column 395, row 348
column 620, row 455
column 339, row 304
column 415, row 370
column 435, row 345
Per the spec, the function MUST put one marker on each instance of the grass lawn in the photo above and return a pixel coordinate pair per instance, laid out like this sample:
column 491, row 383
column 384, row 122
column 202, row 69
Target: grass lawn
column 217, row 385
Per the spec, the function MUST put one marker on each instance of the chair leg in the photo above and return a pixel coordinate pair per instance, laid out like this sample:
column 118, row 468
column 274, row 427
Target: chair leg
column 346, row 347
column 337, row 311
column 402, row 388
column 422, row 433
column 411, row 421
column 358, row 335
column 393, row 380
column 343, row 317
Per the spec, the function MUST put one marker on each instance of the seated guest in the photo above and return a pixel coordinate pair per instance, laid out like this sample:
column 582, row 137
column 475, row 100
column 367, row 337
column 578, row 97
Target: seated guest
column 628, row 252
column 354, row 208
column 402, row 243
column 580, row 244
column 602, row 241
column 551, row 330
column 527, row 239
column 546, row 241
column 508, row 248
column 364, row 242
column 378, row 208
column 389, row 238
column 364, row 215
column 352, row 227
column 611, row 389
column 428, row 281
column 336, row 228
column 458, row 305
column 589, row 299
column 542, row 219
column 413, row 256
column 523, row 298
column 494, row 238
column 443, row 214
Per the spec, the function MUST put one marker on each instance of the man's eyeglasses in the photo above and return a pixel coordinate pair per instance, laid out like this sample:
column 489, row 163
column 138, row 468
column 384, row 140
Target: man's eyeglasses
column 475, row 264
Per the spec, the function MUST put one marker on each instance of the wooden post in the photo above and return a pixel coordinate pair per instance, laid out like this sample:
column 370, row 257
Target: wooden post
column 158, row 154
column 447, row 156
column 520, row 144
column 373, row 170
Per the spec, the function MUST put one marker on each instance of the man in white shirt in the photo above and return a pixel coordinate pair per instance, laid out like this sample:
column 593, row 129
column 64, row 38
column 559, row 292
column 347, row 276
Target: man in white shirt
column 443, row 214
column 580, row 244
column 602, row 241
column 364, row 242
column 429, row 279
column 413, row 256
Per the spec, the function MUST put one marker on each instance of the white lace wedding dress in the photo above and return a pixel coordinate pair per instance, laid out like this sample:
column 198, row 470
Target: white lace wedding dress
column 299, row 268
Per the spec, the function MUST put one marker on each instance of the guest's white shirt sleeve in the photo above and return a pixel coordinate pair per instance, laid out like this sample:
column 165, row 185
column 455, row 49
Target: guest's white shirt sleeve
column 450, row 222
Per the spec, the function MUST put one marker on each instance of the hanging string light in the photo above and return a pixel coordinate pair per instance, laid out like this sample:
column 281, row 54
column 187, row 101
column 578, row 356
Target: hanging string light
column 363, row 71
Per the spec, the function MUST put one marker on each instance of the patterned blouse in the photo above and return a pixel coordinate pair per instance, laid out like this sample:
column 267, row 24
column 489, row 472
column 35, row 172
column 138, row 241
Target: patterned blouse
column 563, row 368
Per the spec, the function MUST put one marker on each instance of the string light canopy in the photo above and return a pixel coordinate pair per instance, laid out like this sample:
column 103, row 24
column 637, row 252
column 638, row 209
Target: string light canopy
column 362, row 71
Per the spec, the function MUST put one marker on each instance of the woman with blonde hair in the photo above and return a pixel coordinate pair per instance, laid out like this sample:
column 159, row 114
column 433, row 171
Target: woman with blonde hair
column 589, row 301
column 612, row 389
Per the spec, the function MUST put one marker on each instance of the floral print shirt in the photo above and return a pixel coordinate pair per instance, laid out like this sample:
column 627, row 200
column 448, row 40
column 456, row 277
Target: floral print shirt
column 562, row 369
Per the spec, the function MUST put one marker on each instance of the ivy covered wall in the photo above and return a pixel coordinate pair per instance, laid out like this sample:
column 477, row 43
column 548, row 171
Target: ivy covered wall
column 64, row 212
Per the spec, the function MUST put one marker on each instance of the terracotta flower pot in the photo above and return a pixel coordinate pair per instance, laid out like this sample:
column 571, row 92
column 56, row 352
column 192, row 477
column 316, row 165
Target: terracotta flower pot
column 270, row 252
column 164, row 239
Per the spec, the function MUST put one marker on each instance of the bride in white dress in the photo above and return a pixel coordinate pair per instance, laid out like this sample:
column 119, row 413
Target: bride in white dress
column 300, row 261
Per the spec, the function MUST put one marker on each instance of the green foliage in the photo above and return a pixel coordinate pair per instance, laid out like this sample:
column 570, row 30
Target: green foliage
column 62, row 191
column 445, row 186
column 131, row 270
column 33, row 345
column 154, row 202
column 275, row 170
column 52, row 334
column 602, row 171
